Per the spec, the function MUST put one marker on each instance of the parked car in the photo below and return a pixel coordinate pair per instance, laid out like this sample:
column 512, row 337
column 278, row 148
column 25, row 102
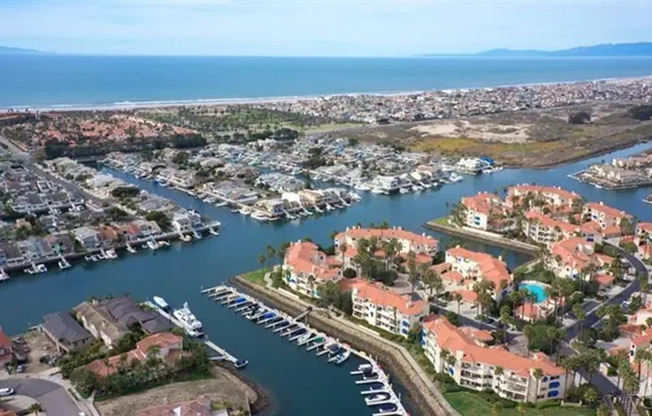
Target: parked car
column 6, row 392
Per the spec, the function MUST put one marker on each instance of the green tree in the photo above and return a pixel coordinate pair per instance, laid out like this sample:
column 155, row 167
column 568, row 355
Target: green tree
column 537, row 374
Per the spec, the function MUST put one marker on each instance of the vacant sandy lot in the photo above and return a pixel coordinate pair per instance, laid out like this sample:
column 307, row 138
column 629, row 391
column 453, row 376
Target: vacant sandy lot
column 223, row 389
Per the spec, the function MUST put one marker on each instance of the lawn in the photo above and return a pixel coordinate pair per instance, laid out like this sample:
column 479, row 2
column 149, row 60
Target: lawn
column 469, row 404
column 256, row 276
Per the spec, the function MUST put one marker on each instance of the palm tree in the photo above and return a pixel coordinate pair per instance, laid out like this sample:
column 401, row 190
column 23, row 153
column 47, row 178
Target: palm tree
column 458, row 298
column 343, row 248
column 35, row 408
column 311, row 284
column 580, row 314
column 537, row 373
column 505, row 319
column 262, row 258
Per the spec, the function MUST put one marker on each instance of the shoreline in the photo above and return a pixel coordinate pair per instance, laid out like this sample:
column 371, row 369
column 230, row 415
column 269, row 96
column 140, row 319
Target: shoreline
column 154, row 104
column 421, row 396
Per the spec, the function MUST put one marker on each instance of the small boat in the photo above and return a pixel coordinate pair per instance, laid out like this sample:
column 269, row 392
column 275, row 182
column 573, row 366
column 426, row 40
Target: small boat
column 241, row 364
column 377, row 191
column 161, row 303
column 63, row 265
column 162, row 182
column 260, row 216
column 376, row 398
column 404, row 190
column 153, row 245
column 386, row 409
column 91, row 257
column 111, row 254
column 341, row 356
column 235, row 211
column 221, row 204
column 41, row 268
column 212, row 231
column 245, row 210
column 131, row 249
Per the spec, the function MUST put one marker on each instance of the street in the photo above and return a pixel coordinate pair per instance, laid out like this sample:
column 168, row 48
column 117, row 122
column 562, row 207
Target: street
column 54, row 398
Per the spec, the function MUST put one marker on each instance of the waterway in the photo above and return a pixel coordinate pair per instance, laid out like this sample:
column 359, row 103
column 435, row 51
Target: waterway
column 300, row 383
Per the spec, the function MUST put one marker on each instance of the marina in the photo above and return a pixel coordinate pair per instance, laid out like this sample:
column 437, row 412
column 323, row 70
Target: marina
column 384, row 400
column 178, row 271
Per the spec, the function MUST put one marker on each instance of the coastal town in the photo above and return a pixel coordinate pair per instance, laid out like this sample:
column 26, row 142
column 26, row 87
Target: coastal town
column 422, row 311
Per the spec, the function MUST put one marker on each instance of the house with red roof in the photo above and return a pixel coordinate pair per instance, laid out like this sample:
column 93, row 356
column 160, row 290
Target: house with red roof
column 475, row 365
column 387, row 310
column 165, row 345
column 475, row 266
column 419, row 244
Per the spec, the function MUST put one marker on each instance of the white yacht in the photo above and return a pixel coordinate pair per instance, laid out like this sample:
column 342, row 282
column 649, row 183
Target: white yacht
column 188, row 321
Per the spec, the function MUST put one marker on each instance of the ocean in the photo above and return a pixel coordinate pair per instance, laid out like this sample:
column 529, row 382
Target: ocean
column 53, row 81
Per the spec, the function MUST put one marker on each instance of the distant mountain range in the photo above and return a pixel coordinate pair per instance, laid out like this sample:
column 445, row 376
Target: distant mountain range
column 604, row 50
column 6, row 50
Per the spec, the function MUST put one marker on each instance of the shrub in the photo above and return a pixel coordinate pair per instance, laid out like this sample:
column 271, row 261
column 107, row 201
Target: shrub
column 349, row 273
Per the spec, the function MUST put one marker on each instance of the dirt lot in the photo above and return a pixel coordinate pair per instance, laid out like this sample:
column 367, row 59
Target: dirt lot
column 536, row 138
column 225, row 389
column 38, row 346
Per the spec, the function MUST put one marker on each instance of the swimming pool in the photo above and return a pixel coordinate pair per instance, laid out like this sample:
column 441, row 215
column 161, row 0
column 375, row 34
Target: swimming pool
column 535, row 288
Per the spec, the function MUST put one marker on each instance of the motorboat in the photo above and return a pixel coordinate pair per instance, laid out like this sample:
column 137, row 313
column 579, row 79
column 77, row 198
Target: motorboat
column 188, row 321
column 161, row 303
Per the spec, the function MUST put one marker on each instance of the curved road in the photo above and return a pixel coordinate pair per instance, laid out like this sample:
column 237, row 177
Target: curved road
column 53, row 397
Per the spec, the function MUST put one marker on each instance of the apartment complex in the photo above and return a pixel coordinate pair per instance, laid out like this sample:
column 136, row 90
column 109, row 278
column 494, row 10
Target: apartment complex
column 643, row 239
column 307, row 267
column 607, row 217
column 484, row 211
column 571, row 257
column 475, row 266
column 475, row 365
column 420, row 244
column 385, row 309
column 554, row 200
column 546, row 230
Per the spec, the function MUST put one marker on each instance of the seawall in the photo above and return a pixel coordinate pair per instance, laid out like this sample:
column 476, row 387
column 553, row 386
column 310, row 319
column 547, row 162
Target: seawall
column 483, row 236
column 423, row 393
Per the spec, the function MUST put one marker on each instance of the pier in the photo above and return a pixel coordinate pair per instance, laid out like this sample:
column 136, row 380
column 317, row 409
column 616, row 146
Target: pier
column 382, row 400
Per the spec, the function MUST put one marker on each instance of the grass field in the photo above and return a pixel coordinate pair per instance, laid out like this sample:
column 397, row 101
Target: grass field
column 256, row 276
column 469, row 404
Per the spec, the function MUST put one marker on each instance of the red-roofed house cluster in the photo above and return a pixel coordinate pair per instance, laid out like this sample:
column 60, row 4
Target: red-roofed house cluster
column 643, row 239
column 307, row 268
column 463, row 354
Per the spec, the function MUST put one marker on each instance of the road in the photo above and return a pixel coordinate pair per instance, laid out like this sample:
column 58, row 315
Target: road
column 54, row 398
column 65, row 184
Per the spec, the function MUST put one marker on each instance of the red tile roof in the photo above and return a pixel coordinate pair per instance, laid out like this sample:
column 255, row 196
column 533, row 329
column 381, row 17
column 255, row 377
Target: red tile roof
column 387, row 234
column 378, row 294
column 453, row 339
column 305, row 257
column 490, row 268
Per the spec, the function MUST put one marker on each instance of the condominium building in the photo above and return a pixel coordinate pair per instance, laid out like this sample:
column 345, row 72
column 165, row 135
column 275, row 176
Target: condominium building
column 474, row 365
column 484, row 211
column 475, row 266
column 557, row 200
column 385, row 309
column 643, row 239
column 604, row 215
column 307, row 268
column 420, row 244
column 571, row 257
column 545, row 230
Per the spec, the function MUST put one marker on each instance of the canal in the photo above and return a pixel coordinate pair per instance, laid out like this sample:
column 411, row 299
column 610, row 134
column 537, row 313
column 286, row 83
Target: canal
column 299, row 383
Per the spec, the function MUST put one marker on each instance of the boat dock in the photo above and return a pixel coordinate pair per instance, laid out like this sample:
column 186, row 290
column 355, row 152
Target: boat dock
column 379, row 395
column 222, row 354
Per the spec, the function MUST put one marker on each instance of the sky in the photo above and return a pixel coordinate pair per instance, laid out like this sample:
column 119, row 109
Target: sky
column 316, row 27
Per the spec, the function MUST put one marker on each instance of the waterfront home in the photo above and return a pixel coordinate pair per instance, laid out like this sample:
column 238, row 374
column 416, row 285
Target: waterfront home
column 422, row 245
column 575, row 257
column 475, row 365
column 186, row 221
column 165, row 346
column 471, row 165
column 201, row 406
column 643, row 239
column 633, row 162
column 6, row 349
column 231, row 191
column 36, row 249
column 307, row 268
column 28, row 203
column 616, row 175
column 273, row 208
column 89, row 238
column 545, row 230
column 178, row 178
column 608, row 217
column 385, row 184
column 484, row 211
column 111, row 319
column 65, row 333
column 11, row 256
column 382, row 308
column 475, row 266
column 61, row 243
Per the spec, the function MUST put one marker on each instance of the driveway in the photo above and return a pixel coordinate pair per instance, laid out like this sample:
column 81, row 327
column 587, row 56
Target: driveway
column 53, row 397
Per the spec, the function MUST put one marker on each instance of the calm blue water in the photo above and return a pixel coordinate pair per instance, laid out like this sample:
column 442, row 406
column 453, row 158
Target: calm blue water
column 300, row 383
column 49, row 80
column 536, row 289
